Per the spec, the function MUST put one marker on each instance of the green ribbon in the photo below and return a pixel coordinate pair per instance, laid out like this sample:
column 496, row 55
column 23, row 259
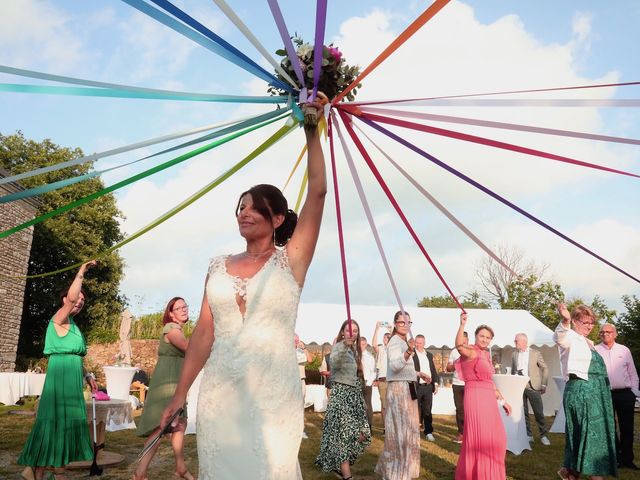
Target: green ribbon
column 282, row 132
column 12, row 197
column 157, row 95
column 134, row 178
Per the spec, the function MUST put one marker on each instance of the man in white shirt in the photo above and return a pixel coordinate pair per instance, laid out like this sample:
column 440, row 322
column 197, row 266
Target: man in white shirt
column 381, row 366
column 623, row 381
column 303, row 357
column 369, row 373
column 427, row 377
column 528, row 362
column 458, row 389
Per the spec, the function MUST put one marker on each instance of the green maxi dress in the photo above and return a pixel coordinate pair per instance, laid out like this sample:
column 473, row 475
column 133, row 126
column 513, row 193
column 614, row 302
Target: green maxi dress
column 163, row 383
column 60, row 435
column 590, row 441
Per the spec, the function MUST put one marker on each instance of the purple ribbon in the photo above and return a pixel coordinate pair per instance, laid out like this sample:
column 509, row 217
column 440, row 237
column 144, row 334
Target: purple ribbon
column 321, row 18
column 490, row 192
column 288, row 45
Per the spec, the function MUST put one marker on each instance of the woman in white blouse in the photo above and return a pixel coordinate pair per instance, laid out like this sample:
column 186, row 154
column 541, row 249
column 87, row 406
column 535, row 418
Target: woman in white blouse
column 400, row 459
column 590, row 446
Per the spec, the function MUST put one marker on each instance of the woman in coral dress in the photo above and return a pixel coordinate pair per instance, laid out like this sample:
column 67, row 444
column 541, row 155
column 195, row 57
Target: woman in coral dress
column 484, row 440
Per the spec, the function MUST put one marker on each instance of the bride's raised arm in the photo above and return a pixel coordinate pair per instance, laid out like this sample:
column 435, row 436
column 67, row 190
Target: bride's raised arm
column 302, row 244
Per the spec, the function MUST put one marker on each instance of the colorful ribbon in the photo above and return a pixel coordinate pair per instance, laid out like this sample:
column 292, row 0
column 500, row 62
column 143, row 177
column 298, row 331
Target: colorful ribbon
column 80, row 178
column 396, row 206
column 452, row 218
column 281, row 133
column 367, row 212
column 490, row 192
column 509, row 102
column 488, row 142
column 321, row 19
column 235, row 19
column 129, row 181
column 116, row 151
column 343, row 257
column 113, row 93
column 416, row 25
column 501, row 125
column 288, row 45
column 509, row 92
column 206, row 42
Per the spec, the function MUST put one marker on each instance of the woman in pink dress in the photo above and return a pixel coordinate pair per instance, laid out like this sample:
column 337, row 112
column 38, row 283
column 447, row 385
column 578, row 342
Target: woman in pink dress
column 484, row 441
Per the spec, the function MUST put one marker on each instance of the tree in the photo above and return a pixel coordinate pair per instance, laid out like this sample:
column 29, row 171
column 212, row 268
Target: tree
column 538, row 298
column 65, row 239
column 495, row 279
column 628, row 326
column 471, row 300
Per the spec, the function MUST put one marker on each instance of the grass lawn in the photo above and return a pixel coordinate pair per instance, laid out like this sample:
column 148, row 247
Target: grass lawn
column 438, row 458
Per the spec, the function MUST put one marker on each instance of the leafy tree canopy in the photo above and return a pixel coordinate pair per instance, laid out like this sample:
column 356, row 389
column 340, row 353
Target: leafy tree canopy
column 471, row 300
column 65, row 239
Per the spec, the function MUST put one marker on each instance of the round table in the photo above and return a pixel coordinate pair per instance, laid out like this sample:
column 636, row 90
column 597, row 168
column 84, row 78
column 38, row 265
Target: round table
column 111, row 415
column 512, row 387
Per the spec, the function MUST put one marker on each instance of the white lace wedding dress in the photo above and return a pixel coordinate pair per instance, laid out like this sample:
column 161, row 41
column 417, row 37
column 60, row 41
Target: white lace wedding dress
column 250, row 408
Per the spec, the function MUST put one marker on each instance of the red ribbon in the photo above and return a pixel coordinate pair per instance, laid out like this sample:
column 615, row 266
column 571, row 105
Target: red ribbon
column 343, row 259
column 393, row 201
column 481, row 140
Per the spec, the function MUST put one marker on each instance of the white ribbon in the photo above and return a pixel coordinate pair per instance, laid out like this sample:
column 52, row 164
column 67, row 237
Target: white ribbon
column 367, row 210
column 235, row 19
column 441, row 207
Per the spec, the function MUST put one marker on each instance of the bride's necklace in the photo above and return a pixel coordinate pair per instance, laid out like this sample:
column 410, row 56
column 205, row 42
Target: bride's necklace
column 256, row 256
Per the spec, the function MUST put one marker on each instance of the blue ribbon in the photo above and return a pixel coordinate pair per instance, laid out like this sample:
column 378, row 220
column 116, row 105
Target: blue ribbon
column 205, row 42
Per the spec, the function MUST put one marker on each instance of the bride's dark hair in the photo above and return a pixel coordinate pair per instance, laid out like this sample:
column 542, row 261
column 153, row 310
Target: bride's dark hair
column 269, row 200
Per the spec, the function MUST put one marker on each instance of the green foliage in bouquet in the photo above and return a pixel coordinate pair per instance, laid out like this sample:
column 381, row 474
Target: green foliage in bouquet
column 336, row 74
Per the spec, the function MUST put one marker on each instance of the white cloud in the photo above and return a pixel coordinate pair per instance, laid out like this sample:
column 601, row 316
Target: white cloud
column 37, row 34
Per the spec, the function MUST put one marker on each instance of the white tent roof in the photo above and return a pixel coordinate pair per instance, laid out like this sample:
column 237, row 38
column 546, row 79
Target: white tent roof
column 319, row 322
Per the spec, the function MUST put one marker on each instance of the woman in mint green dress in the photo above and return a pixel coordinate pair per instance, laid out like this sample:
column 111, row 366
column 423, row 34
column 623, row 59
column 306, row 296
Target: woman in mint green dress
column 60, row 434
column 162, row 387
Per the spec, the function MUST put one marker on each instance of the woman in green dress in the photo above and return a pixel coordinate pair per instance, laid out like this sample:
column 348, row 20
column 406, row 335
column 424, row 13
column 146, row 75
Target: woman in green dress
column 60, row 434
column 162, row 387
column 590, row 442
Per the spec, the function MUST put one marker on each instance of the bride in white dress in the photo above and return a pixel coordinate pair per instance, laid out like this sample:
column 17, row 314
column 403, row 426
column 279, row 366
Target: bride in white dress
column 250, row 408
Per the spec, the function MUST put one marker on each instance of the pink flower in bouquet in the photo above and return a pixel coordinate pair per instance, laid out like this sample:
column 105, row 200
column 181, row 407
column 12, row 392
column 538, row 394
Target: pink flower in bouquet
column 335, row 53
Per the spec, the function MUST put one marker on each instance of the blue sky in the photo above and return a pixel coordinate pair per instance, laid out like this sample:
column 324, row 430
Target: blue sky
column 469, row 47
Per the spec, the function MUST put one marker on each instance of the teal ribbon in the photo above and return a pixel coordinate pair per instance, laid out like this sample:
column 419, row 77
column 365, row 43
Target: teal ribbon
column 149, row 95
column 130, row 180
column 80, row 178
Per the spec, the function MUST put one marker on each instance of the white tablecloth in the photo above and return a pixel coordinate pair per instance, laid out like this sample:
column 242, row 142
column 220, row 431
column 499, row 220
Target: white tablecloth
column 116, row 414
column 119, row 381
column 15, row 385
column 559, row 422
column 511, row 387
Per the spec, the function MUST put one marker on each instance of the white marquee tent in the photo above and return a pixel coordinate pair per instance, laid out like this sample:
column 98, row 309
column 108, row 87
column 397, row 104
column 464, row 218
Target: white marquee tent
column 319, row 322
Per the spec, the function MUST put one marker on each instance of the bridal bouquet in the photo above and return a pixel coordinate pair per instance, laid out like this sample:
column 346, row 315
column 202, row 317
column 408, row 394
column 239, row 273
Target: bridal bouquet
column 335, row 76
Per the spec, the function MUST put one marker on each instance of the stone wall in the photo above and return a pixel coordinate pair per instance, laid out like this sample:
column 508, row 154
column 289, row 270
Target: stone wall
column 144, row 352
column 14, row 260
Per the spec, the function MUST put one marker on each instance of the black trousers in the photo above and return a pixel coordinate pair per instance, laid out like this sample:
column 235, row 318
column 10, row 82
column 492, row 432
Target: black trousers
column 623, row 405
column 425, row 402
column 458, row 400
